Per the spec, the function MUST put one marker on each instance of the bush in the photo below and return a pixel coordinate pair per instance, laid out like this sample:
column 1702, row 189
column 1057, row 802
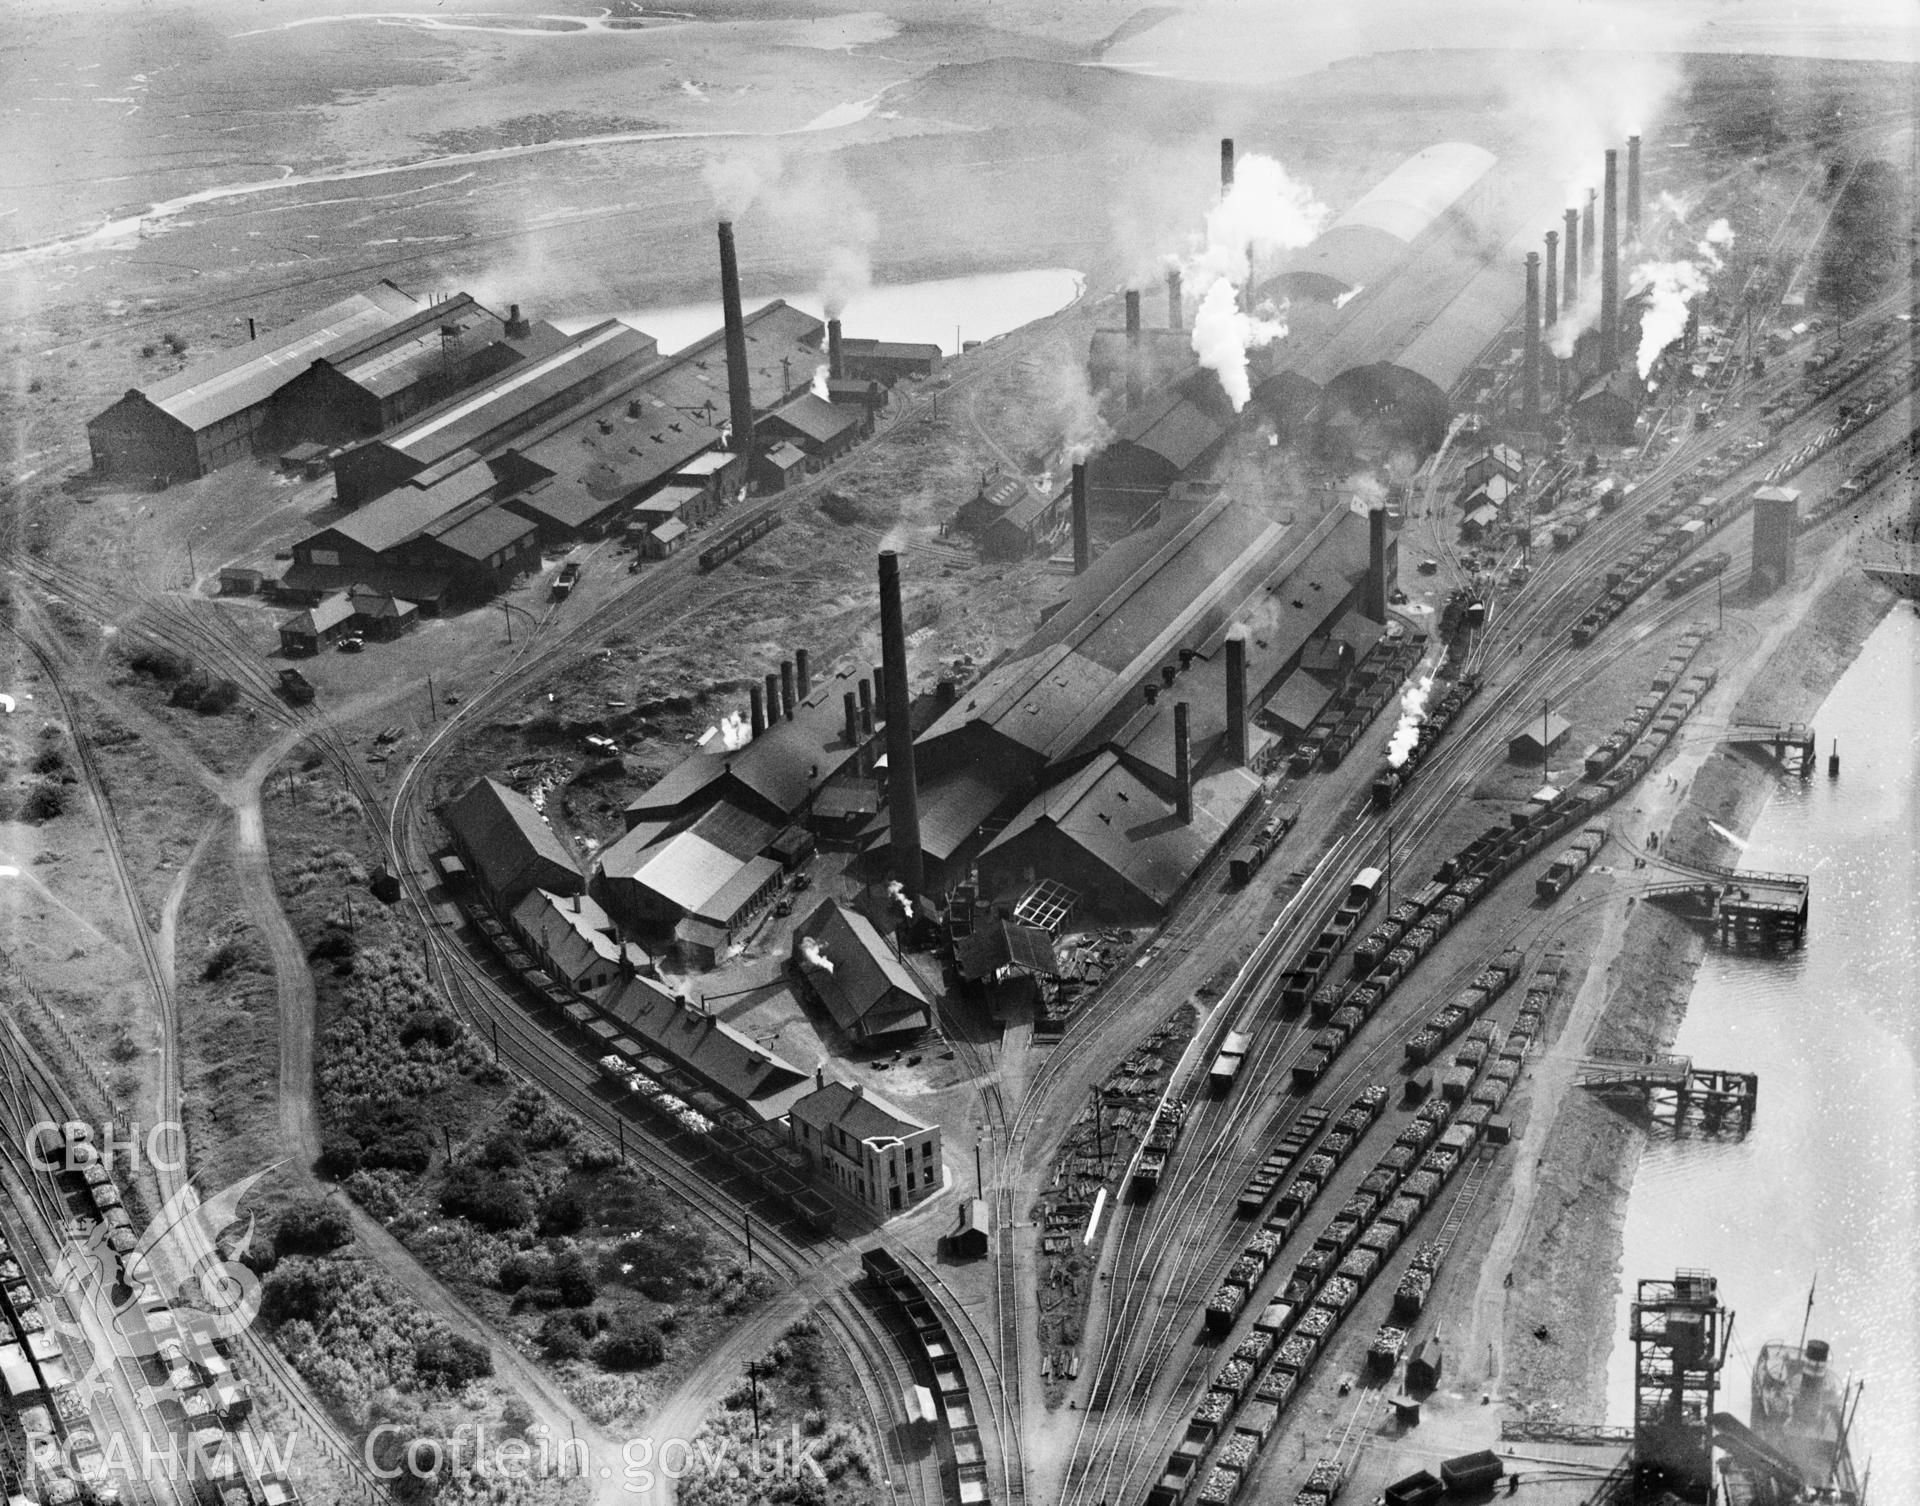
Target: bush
column 302, row 1289
column 451, row 1359
column 503, row 1151
column 573, row 1280
column 395, row 1135
column 562, row 1213
column 43, row 802
column 339, row 1156
column 220, row 960
column 565, row 1336
column 160, row 663
column 631, row 1342
column 174, row 342
column 311, row 1226
column 186, row 694
column 50, row 761
column 484, row 1199
column 220, row 696
column 592, row 1157
column 428, row 1025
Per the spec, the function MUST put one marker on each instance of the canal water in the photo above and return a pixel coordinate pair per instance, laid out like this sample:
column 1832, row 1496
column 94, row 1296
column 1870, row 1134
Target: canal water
column 931, row 312
column 1824, row 1188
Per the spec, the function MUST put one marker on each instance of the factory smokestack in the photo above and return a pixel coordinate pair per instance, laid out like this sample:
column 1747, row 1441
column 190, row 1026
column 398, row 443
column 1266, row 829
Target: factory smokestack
column 1182, row 762
column 1610, row 265
column 773, row 699
column 1238, row 751
column 739, row 381
column 836, row 371
column 1174, row 311
column 1226, row 163
column 866, row 706
column 803, row 671
column 1134, row 380
column 1570, row 293
column 1082, row 530
column 756, row 710
column 1587, row 222
column 786, row 690
column 1377, row 564
column 850, row 703
column 1550, row 307
column 1530, row 352
column 1633, row 190
column 903, row 798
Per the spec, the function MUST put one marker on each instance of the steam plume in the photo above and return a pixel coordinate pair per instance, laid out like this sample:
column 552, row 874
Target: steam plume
column 1413, row 710
column 1263, row 214
column 897, row 892
column 848, row 271
column 820, row 380
column 1672, row 287
column 735, row 732
column 813, row 956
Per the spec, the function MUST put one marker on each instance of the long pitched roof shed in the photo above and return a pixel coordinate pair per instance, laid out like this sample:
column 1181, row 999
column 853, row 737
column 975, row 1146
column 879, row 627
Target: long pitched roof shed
column 411, row 508
column 1177, row 586
column 1120, row 823
column 509, row 839
column 866, row 987
column 730, row 1061
column 331, row 612
column 391, row 359
column 486, row 417
column 574, row 930
column 237, row 379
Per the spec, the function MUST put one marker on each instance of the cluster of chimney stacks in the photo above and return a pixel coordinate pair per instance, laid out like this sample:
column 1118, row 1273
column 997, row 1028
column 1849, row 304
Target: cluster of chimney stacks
column 1570, row 253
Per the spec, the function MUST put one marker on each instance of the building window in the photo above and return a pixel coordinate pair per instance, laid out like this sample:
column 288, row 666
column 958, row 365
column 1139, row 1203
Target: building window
column 926, row 1150
column 911, row 1183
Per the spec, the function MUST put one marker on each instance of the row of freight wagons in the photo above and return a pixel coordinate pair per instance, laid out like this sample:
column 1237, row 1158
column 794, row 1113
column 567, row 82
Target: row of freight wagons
column 942, row 1358
column 1628, row 578
column 1247, row 1395
column 1300, row 980
column 1163, row 1133
column 1314, row 1172
column 1248, row 857
column 1374, row 682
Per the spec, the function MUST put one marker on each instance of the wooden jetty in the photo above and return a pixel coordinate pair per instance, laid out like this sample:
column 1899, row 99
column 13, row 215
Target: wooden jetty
column 1676, row 1092
column 1790, row 744
column 1744, row 909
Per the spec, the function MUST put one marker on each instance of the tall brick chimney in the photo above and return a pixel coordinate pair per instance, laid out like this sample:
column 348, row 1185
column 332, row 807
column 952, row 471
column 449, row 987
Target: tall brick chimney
column 1182, row 763
column 1239, row 750
column 1082, row 529
column 903, row 795
column 1633, row 190
column 1530, row 352
column 739, row 378
column 1610, row 265
column 1570, row 292
column 836, row 368
column 1226, row 163
column 1175, row 314
column 1377, row 564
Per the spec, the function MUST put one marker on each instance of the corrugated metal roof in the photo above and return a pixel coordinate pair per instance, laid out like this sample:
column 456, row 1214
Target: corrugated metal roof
column 409, row 510
column 483, row 533
column 239, row 378
column 1419, row 191
column 952, row 808
column 471, row 417
column 392, row 359
column 685, row 871
column 726, row 904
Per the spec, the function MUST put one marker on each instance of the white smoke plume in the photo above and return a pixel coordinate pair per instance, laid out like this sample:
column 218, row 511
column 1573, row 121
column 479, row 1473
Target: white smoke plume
column 735, row 731
column 1571, row 326
column 897, row 892
column 820, row 380
column 1264, row 214
column 737, row 179
column 1223, row 335
column 1671, row 288
column 1069, row 397
column 813, row 207
column 812, row 954
column 848, row 269
column 1413, row 711
column 1674, row 204
column 1347, row 297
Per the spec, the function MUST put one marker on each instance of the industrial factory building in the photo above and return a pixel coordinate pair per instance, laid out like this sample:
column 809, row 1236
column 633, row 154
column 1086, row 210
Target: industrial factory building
column 466, row 493
column 508, row 848
column 723, row 1060
column 359, row 390
column 842, row 962
column 218, row 411
column 1112, row 751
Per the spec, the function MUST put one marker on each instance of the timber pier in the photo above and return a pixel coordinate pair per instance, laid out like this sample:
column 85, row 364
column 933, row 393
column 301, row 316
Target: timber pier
column 1708, row 1100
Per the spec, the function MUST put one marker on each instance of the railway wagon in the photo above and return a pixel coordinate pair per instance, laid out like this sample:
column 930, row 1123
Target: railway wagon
column 725, row 548
column 1226, row 1065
